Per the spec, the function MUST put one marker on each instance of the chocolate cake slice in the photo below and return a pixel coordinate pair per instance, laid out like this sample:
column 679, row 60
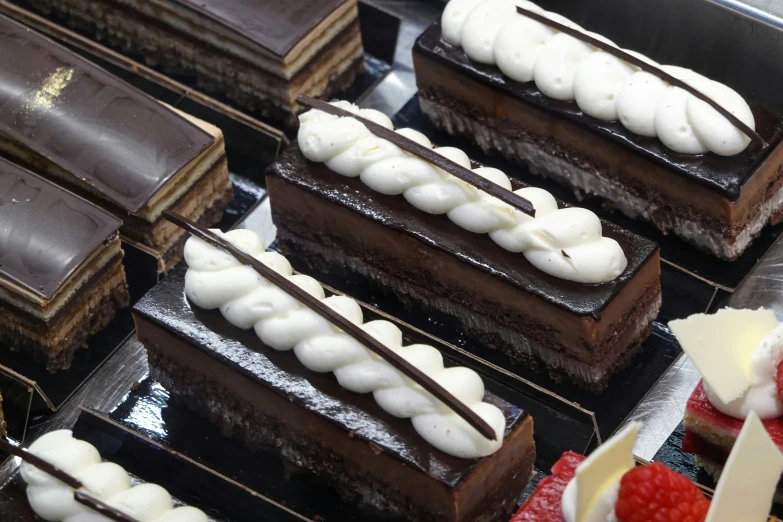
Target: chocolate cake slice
column 261, row 54
column 84, row 129
column 61, row 273
column 572, row 299
column 584, row 117
column 234, row 347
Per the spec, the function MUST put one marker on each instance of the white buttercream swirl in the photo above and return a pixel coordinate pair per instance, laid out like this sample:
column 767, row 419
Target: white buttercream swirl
column 348, row 148
column 762, row 397
column 603, row 508
column 53, row 500
column 215, row 279
column 603, row 86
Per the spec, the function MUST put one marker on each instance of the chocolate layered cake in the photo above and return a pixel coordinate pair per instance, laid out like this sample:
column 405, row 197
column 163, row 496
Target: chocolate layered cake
column 261, row 54
column 605, row 121
column 271, row 372
column 562, row 292
column 61, row 273
column 738, row 353
column 84, row 129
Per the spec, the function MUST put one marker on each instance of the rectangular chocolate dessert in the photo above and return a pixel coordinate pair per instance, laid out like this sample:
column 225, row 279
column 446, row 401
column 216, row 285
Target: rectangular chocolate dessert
column 269, row 400
column 61, row 273
column 86, row 130
column 582, row 332
column 718, row 203
column 261, row 54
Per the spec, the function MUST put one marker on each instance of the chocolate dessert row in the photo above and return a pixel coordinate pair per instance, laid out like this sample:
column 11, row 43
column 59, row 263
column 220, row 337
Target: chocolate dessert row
column 260, row 54
column 84, row 129
column 535, row 88
column 575, row 304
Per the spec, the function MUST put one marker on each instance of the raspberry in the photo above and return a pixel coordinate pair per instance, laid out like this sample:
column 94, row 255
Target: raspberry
column 657, row 494
column 779, row 379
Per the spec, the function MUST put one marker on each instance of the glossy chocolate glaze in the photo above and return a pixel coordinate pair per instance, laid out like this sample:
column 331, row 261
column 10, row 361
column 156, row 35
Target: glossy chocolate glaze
column 282, row 373
column 725, row 175
column 276, row 26
column 46, row 232
column 477, row 250
column 94, row 126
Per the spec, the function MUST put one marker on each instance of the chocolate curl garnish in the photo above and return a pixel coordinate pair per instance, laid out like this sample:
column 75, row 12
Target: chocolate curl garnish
column 69, row 480
column 428, row 155
column 646, row 67
column 101, row 508
column 364, row 338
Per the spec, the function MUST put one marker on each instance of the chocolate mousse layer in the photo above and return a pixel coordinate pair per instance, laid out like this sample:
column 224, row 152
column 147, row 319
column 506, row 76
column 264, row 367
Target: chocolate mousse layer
column 583, row 332
column 61, row 273
column 717, row 203
column 260, row 54
column 269, row 400
column 86, row 130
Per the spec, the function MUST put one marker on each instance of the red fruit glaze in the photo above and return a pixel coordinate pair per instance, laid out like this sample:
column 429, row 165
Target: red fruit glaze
column 656, row 493
column 699, row 406
column 779, row 379
column 544, row 505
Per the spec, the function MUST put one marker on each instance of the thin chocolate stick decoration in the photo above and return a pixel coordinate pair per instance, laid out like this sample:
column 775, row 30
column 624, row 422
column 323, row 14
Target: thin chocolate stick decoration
column 69, row 480
column 647, row 67
column 102, row 508
column 428, row 155
column 341, row 322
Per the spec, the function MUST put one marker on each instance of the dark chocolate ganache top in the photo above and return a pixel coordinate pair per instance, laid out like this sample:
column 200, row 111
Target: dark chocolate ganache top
column 88, row 123
column 320, row 393
column 276, row 26
column 477, row 250
column 46, row 232
column 725, row 175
